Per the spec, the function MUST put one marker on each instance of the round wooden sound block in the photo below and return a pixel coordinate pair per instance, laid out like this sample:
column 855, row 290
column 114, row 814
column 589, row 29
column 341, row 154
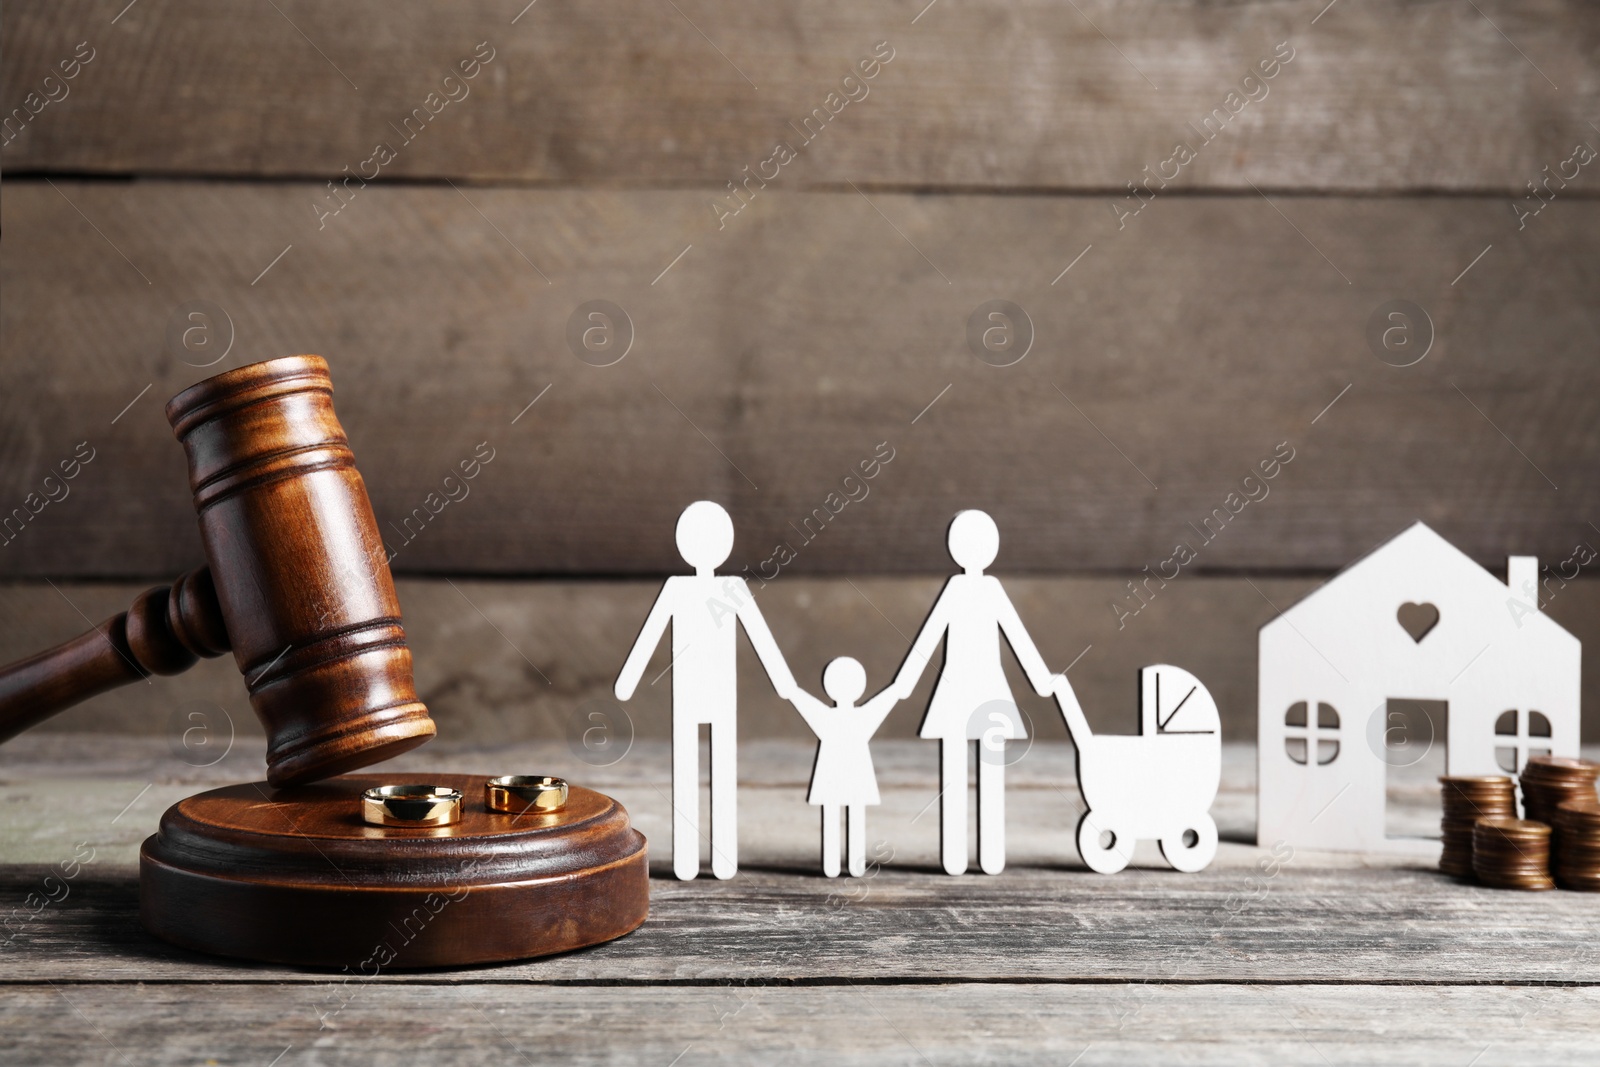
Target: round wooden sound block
column 296, row 876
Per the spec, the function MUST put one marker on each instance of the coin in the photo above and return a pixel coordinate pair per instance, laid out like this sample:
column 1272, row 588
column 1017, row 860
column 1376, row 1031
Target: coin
column 1465, row 800
column 1512, row 854
column 1575, row 858
column 1550, row 781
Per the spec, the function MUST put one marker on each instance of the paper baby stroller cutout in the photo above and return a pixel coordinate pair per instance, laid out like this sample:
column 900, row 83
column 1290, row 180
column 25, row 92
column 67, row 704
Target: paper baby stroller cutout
column 843, row 775
column 704, row 687
column 972, row 701
column 1157, row 785
column 1415, row 619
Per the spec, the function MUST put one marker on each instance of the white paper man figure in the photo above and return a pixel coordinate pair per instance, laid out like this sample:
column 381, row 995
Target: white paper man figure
column 705, row 612
column 972, row 701
column 843, row 776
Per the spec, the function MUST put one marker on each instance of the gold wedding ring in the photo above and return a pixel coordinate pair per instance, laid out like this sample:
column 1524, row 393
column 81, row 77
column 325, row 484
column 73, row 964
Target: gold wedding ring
column 411, row 805
column 517, row 794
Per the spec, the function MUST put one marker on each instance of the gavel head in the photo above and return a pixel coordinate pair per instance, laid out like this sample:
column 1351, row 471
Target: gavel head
column 301, row 575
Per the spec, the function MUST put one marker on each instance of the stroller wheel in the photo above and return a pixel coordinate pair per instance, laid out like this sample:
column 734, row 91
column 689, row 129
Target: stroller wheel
column 1103, row 858
column 1190, row 855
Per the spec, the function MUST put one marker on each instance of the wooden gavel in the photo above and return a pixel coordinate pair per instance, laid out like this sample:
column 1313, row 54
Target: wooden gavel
column 298, row 585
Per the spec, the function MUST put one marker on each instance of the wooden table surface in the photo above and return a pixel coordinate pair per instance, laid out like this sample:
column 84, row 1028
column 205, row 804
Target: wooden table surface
column 1273, row 955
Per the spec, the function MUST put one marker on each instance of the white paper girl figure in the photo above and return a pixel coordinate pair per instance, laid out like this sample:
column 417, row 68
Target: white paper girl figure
column 972, row 701
column 842, row 776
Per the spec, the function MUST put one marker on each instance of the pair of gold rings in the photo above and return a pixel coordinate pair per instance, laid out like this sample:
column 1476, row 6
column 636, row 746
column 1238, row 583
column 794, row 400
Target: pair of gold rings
column 440, row 805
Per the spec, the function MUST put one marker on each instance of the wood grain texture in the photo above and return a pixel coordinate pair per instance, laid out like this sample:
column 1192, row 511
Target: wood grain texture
column 297, row 877
column 132, row 780
column 510, row 661
column 919, row 1025
column 86, row 781
column 165, row 631
column 1415, row 927
column 771, row 360
column 299, row 569
column 1266, row 957
column 1272, row 914
column 777, row 348
column 1038, row 95
column 297, row 585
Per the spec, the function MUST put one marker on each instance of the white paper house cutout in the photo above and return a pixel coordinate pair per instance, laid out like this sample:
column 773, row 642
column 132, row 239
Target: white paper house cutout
column 1330, row 664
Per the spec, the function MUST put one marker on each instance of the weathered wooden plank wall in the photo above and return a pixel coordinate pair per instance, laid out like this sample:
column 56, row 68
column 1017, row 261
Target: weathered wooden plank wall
column 500, row 661
column 1175, row 358
column 777, row 348
column 1000, row 94
column 823, row 325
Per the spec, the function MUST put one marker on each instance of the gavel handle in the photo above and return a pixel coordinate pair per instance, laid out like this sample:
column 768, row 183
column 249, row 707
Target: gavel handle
column 165, row 631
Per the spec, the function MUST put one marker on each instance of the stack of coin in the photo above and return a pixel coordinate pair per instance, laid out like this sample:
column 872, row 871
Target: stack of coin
column 1577, row 848
column 1550, row 781
column 1512, row 854
column 1466, row 800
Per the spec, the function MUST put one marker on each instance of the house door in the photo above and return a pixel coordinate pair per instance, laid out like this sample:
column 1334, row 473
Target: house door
column 1408, row 734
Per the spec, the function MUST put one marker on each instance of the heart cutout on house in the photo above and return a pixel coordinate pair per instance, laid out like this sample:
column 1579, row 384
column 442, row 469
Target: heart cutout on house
column 1418, row 620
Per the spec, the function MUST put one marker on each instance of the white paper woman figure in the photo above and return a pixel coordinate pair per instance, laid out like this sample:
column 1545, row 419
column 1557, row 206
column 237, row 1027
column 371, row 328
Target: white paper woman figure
column 842, row 776
column 705, row 612
column 972, row 701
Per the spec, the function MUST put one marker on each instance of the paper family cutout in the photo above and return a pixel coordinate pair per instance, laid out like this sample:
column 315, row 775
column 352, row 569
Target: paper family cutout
column 1157, row 785
column 842, row 776
column 704, row 644
column 972, row 702
column 1414, row 619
